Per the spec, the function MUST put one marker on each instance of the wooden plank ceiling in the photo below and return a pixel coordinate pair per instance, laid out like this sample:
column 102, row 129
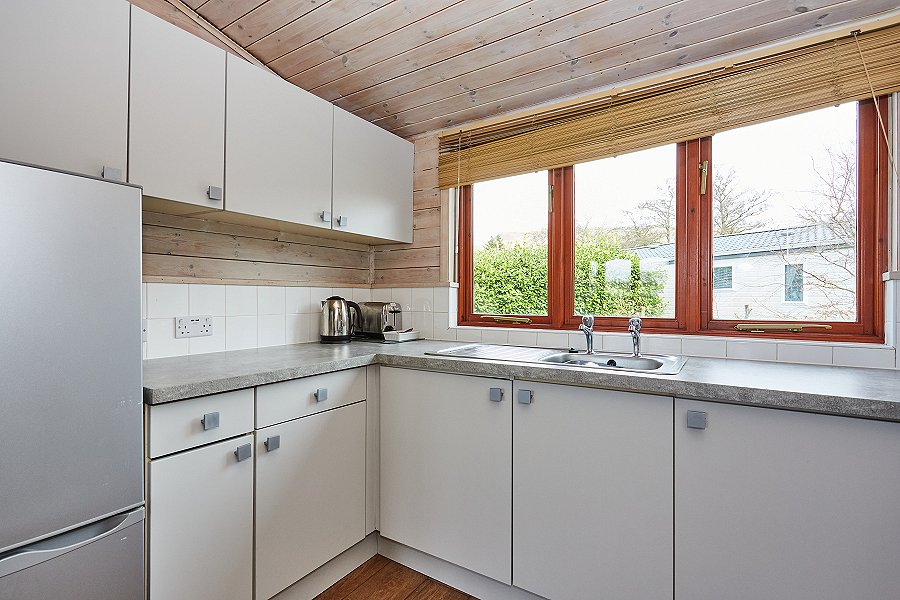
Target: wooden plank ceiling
column 416, row 66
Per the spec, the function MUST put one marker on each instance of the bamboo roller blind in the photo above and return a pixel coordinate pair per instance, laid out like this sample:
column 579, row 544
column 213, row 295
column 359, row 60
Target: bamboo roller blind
column 820, row 75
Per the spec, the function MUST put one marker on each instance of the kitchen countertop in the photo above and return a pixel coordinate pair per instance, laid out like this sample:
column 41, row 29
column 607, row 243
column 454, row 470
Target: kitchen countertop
column 845, row 391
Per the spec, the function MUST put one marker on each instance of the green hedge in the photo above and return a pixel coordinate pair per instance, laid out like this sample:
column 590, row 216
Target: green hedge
column 512, row 279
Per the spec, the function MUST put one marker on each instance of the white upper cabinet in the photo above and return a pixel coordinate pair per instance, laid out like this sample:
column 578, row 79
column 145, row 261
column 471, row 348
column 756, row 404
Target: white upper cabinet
column 278, row 148
column 64, row 74
column 373, row 180
column 176, row 146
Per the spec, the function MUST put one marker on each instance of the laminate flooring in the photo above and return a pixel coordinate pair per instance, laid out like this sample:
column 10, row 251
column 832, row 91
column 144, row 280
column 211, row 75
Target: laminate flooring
column 380, row 578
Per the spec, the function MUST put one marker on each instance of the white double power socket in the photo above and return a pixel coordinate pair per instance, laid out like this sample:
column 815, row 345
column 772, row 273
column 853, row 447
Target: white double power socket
column 186, row 327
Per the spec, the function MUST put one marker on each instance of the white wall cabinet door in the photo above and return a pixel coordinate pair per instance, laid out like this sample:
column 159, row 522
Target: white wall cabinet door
column 64, row 74
column 779, row 504
column 176, row 145
column 201, row 524
column 310, row 494
column 278, row 148
column 592, row 493
column 373, row 179
column 446, row 452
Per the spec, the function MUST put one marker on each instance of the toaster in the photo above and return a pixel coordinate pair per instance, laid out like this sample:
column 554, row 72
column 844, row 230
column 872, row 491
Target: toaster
column 377, row 317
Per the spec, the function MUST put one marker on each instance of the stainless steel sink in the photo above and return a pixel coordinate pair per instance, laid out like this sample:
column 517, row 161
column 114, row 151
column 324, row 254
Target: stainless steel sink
column 661, row 365
column 649, row 363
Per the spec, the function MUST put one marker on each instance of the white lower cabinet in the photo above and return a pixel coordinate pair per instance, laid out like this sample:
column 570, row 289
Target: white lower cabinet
column 779, row 504
column 592, row 493
column 446, row 463
column 310, row 494
column 201, row 523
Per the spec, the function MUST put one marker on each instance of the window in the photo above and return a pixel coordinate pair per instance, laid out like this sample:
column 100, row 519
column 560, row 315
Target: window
column 793, row 283
column 722, row 278
column 787, row 227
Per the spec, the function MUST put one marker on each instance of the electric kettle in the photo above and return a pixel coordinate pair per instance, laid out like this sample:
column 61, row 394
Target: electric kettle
column 337, row 322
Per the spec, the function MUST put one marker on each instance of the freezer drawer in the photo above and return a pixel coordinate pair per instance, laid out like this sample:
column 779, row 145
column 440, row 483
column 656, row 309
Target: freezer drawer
column 104, row 566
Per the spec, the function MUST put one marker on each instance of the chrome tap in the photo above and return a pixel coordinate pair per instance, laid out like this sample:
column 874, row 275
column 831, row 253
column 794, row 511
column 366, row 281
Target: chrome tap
column 587, row 327
column 634, row 328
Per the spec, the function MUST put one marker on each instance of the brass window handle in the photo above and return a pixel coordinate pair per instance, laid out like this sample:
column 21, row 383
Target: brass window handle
column 502, row 319
column 793, row 327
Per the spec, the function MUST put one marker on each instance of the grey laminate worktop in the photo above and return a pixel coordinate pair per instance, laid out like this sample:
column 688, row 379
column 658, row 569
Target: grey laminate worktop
column 869, row 393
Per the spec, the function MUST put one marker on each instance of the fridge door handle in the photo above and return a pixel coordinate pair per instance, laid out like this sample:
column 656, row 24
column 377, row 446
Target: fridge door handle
column 38, row 552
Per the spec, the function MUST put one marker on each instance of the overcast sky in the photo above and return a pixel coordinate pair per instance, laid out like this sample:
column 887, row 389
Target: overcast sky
column 776, row 156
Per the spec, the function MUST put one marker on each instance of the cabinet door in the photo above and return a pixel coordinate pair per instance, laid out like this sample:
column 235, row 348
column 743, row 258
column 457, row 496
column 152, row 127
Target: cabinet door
column 592, row 493
column 373, row 179
column 176, row 144
column 201, row 524
column 446, row 463
column 779, row 504
column 64, row 73
column 277, row 148
column 310, row 494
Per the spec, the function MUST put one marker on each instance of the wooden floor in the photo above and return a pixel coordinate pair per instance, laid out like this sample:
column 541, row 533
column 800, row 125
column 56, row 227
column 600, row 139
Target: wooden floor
column 380, row 578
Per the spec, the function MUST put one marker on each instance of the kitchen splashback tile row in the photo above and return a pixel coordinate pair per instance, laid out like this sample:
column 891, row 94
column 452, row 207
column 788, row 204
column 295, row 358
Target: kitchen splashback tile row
column 258, row 316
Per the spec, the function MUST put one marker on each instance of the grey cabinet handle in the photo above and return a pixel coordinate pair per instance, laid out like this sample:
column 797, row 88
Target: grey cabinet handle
column 210, row 421
column 342, row 221
column 214, row 193
column 111, row 173
column 696, row 419
column 325, row 216
column 273, row 442
column 496, row 394
column 321, row 394
column 243, row 452
column 525, row 396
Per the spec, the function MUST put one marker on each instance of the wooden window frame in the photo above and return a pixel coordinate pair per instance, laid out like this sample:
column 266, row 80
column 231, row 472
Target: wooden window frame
column 693, row 250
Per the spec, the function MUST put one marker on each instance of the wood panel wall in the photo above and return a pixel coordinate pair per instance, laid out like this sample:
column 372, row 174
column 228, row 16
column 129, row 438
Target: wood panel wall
column 427, row 260
column 193, row 250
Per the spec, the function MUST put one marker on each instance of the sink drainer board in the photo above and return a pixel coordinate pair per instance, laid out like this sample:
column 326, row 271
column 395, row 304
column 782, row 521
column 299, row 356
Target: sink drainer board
column 496, row 352
column 652, row 364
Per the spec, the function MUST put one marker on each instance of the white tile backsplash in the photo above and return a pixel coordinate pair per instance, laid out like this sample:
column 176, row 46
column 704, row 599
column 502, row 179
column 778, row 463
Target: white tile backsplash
column 297, row 301
column 494, row 335
column 161, row 340
column 751, row 350
column 296, row 329
column 422, row 299
column 812, row 354
column 270, row 300
column 701, row 346
column 270, row 315
column 167, row 300
column 270, row 330
column 522, row 337
column 855, row 356
column 381, row 295
column 552, row 339
column 240, row 332
column 212, row 343
column 240, row 301
column 206, row 300
column 442, row 331
column 403, row 297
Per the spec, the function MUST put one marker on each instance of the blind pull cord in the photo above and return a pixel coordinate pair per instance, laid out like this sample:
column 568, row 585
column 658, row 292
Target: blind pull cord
column 887, row 141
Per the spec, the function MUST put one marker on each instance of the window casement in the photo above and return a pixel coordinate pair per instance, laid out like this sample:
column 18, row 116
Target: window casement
column 675, row 278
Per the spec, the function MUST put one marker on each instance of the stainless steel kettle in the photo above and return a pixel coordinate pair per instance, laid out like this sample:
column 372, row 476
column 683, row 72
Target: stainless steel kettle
column 338, row 322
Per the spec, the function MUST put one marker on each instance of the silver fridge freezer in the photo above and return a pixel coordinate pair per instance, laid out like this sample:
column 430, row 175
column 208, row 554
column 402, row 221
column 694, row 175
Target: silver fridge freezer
column 71, row 414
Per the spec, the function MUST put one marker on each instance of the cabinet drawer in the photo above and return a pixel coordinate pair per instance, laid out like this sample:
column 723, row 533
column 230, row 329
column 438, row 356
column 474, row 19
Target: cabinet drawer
column 279, row 402
column 181, row 425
